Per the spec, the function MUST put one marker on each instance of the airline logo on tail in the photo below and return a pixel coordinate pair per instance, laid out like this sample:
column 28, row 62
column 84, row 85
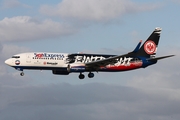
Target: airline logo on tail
column 150, row 47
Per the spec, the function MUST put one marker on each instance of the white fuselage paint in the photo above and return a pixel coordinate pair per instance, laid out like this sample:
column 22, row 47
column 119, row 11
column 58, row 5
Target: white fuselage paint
column 41, row 61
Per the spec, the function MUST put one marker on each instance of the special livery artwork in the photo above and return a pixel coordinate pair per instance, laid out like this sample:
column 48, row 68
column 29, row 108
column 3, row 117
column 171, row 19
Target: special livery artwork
column 123, row 63
column 66, row 63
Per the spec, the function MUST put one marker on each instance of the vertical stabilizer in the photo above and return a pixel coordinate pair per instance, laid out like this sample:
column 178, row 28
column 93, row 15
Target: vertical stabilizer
column 149, row 48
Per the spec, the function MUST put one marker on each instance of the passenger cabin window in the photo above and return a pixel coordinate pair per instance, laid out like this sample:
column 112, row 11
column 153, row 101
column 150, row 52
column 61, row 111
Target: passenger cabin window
column 15, row 56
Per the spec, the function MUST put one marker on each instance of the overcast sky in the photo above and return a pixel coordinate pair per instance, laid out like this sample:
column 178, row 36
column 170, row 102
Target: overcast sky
column 91, row 26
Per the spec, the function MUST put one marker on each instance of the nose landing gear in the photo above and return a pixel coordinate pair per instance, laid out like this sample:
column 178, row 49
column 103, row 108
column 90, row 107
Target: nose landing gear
column 22, row 73
column 20, row 69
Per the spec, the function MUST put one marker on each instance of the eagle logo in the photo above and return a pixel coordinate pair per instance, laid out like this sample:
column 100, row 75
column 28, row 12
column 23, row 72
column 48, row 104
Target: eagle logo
column 150, row 47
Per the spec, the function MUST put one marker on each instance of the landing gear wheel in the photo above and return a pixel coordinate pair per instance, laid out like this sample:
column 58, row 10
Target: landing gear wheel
column 91, row 75
column 81, row 76
column 22, row 74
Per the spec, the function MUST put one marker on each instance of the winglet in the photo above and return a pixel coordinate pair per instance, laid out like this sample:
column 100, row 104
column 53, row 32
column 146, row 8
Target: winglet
column 138, row 46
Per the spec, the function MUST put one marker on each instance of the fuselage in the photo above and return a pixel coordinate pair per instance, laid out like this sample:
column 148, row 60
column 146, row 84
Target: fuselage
column 60, row 61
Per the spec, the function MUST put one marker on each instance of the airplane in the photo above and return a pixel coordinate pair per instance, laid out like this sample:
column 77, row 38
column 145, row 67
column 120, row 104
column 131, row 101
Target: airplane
column 65, row 63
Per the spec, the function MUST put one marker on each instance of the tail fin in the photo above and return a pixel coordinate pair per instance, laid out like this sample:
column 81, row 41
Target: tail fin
column 149, row 48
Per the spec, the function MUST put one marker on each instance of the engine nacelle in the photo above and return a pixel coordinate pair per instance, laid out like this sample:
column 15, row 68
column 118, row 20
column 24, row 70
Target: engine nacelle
column 76, row 68
column 60, row 72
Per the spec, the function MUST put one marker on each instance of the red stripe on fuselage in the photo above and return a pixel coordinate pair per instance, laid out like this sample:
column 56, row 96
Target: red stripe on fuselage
column 130, row 66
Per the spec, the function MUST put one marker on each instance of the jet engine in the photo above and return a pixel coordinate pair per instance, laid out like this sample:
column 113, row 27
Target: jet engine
column 60, row 72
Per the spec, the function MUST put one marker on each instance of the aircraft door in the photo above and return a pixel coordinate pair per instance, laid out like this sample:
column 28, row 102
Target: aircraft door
column 28, row 58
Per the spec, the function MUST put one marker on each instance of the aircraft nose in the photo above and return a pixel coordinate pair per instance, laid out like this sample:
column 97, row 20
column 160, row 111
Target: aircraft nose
column 7, row 62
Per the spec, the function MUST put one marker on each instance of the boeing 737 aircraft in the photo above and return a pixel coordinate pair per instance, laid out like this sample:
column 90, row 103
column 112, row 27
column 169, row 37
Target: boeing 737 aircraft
column 64, row 63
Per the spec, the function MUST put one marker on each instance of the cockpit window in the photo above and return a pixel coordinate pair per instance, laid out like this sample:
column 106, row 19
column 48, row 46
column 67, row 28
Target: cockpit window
column 15, row 56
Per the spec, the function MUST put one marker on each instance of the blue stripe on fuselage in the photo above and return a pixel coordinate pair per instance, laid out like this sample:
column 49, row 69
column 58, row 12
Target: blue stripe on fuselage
column 147, row 63
column 39, row 68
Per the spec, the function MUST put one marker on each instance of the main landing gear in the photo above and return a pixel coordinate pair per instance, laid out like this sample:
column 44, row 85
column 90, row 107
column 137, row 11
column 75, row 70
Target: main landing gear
column 82, row 76
column 91, row 75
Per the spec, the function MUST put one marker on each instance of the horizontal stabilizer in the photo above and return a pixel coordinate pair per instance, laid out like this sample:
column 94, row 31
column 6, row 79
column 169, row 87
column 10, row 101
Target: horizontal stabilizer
column 159, row 58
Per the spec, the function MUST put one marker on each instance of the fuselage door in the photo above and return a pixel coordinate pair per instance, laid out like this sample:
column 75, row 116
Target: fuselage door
column 28, row 58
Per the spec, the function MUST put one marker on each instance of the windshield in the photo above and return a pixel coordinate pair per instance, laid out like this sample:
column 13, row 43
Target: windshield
column 15, row 56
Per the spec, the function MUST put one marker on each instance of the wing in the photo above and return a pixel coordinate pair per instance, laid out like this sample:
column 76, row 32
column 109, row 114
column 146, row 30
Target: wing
column 104, row 62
